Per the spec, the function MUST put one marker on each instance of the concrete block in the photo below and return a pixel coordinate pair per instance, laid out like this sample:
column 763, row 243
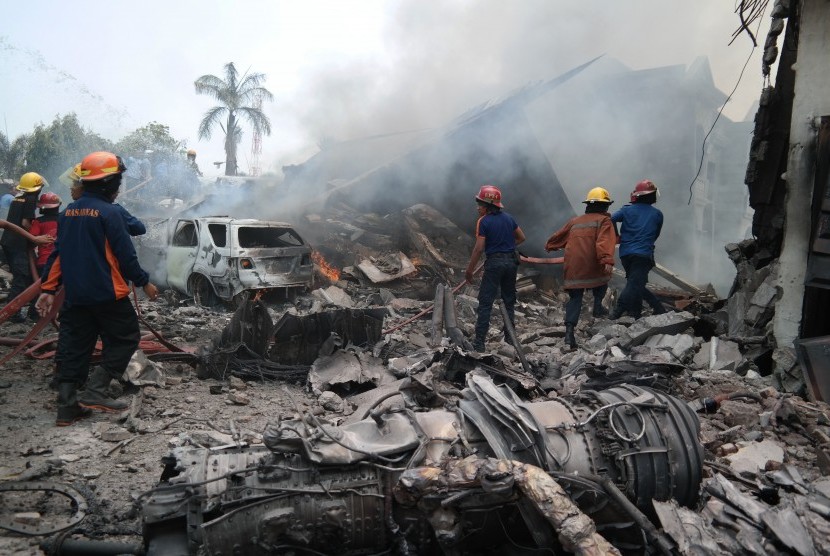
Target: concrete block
column 597, row 343
column 552, row 331
column 736, row 413
column 667, row 323
column 680, row 345
column 736, row 307
column 406, row 304
column 752, row 457
column 210, row 439
column 334, row 296
column 331, row 401
column 115, row 434
column 718, row 354
column 238, row 398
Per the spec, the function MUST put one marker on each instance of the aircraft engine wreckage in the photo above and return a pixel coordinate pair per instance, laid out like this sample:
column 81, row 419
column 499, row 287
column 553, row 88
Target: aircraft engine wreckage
column 489, row 475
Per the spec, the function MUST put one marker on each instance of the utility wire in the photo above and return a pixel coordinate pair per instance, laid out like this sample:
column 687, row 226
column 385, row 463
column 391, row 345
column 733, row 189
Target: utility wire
column 735, row 88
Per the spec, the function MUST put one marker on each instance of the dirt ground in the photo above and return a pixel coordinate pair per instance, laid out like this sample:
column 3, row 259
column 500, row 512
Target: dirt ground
column 108, row 464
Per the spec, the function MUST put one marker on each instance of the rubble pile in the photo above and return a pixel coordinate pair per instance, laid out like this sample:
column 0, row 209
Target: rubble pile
column 295, row 396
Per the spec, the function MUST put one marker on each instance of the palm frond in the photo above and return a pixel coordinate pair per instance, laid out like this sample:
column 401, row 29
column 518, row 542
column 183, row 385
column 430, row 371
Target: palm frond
column 231, row 76
column 210, row 85
column 257, row 118
column 210, row 119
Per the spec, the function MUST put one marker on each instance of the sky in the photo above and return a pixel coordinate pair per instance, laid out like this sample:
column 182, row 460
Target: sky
column 344, row 69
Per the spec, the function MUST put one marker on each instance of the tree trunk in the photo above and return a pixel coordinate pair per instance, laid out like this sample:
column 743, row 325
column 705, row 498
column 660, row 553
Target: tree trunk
column 230, row 146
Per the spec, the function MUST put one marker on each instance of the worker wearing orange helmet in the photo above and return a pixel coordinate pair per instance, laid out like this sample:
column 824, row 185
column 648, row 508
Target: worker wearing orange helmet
column 640, row 227
column 16, row 247
column 94, row 259
column 191, row 161
column 497, row 236
column 589, row 241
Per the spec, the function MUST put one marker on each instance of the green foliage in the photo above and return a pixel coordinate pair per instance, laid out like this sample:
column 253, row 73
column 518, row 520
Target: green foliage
column 54, row 148
column 12, row 156
column 152, row 137
column 239, row 97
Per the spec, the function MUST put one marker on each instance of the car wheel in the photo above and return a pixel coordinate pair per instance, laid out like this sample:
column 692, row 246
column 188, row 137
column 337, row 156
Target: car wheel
column 202, row 290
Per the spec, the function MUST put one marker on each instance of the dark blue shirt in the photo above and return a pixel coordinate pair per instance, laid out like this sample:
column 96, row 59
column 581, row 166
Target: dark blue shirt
column 497, row 230
column 641, row 225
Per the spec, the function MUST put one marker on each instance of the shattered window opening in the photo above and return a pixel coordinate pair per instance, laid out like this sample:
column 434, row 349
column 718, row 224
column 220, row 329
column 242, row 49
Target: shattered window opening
column 219, row 234
column 250, row 237
column 186, row 235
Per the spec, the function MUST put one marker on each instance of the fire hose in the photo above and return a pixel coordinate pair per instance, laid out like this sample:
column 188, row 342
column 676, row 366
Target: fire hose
column 40, row 350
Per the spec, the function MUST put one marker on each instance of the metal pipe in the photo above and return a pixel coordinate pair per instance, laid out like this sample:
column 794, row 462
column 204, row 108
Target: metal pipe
column 430, row 308
column 438, row 316
column 451, row 321
column 511, row 334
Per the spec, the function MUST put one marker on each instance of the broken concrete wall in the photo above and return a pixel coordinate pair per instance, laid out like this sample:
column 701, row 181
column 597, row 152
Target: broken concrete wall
column 496, row 147
column 812, row 81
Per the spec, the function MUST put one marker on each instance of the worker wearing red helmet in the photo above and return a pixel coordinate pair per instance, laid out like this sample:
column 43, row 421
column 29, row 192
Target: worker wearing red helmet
column 497, row 236
column 46, row 224
column 15, row 247
column 589, row 241
column 94, row 259
column 640, row 227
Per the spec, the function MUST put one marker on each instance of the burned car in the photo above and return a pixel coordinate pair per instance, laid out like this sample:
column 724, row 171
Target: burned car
column 218, row 258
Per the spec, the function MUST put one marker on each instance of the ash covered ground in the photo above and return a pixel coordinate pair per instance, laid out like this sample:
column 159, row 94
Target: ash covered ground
column 766, row 453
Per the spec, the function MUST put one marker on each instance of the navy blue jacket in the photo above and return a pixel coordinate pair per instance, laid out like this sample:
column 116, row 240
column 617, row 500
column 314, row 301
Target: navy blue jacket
column 94, row 257
column 641, row 225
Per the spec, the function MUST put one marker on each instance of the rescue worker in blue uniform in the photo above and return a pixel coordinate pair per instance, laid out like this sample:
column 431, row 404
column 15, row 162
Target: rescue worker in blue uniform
column 94, row 259
column 497, row 236
column 641, row 225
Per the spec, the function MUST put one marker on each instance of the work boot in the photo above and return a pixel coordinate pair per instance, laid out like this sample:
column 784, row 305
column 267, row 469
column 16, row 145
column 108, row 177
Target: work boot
column 68, row 409
column 600, row 311
column 616, row 313
column 96, row 395
column 570, row 339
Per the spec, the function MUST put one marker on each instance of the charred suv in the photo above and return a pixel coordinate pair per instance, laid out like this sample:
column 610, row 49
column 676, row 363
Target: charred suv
column 218, row 259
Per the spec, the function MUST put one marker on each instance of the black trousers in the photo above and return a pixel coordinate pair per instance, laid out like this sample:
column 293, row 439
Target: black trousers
column 573, row 307
column 499, row 275
column 635, row 292
column 18, row 261
column 81, row 325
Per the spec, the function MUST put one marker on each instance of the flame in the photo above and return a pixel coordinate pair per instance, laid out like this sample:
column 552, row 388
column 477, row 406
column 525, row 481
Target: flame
column 324, row 268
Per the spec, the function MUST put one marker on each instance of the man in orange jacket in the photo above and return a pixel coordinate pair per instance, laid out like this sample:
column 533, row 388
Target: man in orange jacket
column 589, row 241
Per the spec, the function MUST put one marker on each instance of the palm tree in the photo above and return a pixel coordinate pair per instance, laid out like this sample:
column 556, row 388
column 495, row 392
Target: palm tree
column 238, row 98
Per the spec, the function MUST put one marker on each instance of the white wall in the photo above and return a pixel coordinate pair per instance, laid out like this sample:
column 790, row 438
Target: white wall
column 812, row 100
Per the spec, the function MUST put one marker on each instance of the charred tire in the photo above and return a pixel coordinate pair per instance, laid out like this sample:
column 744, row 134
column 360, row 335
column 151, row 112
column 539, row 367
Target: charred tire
column 202, row 290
